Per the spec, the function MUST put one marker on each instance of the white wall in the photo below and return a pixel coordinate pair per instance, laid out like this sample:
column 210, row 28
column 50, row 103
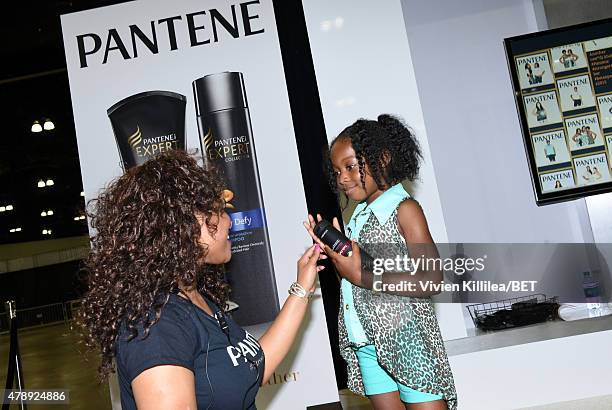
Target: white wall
column 469, row 112
column 473, row 128
column 364, row 68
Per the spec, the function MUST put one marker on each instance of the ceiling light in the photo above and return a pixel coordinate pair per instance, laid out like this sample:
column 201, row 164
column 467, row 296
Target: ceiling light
column 9, row 207
column 49, row 182
column 41, row 183
column 36, row 127
column 43, row 213
column 49, row 212
column 48, row 125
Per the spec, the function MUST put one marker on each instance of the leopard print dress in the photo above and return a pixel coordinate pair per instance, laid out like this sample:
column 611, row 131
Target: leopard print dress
column 404, row 329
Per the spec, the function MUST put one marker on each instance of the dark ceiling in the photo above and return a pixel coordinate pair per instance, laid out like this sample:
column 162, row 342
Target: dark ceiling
column 34, row 86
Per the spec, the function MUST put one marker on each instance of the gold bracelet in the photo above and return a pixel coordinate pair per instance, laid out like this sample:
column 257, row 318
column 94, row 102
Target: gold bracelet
column 298, row 290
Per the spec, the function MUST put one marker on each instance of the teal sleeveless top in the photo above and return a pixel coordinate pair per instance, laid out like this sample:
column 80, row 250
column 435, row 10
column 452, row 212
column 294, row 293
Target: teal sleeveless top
column 404, row 329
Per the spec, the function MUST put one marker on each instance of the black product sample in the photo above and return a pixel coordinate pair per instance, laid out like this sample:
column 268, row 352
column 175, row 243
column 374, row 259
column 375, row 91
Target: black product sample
column 147, row 124
column 226, row 138
column 333, row 238
column 339, row 243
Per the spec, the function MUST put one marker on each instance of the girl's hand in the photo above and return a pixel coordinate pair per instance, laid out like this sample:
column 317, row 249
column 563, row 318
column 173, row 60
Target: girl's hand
column 348, row 267
column 309, row 226
column 307, row 268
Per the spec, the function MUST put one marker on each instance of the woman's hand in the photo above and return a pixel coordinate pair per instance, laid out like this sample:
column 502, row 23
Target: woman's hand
column 307, row 268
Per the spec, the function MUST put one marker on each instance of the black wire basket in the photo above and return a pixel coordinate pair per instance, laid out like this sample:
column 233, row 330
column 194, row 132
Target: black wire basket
column 514, row 312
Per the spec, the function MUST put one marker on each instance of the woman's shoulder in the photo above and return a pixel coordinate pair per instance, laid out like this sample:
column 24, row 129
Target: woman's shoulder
column 175, row 315
column 172, row 339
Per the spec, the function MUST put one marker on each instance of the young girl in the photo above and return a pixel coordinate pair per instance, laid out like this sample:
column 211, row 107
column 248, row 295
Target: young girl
column 389, row 338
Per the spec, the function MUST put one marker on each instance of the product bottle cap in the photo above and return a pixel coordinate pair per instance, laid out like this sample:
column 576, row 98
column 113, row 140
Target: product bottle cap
column 146, row 94
column 321, row 226
column 220, row 91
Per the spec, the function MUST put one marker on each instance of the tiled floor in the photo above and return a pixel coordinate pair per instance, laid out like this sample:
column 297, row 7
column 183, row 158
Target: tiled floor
column 351, row 401
column 52, row 358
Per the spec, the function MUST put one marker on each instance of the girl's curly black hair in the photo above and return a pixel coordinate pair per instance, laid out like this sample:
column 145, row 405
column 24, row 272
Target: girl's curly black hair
column 387, row 146
column 147, row 244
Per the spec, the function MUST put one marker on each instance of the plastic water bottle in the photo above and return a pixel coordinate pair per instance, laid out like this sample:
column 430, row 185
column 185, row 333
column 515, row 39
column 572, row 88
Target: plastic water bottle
column 591, row 290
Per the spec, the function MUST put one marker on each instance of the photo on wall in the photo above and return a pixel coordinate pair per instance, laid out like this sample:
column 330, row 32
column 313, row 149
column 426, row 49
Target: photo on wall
column 605, row 110
column 592, row 169
column 568, row 57
column 575, row 93
column 542, row 109
column 598, row 44
column 534, row 70
column 558, row 180
column 583, row 132
column 579, row 101
column 550, row 148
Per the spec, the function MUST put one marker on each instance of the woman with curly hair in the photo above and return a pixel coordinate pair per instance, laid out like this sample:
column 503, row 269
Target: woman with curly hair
column 156, row 295
column 389, row 334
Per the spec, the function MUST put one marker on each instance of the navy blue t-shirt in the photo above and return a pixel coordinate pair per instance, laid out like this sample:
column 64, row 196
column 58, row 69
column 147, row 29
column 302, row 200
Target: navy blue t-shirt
column 187, row 336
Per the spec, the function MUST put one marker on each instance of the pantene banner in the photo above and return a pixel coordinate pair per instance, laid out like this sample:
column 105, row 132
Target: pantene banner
column 150, row 76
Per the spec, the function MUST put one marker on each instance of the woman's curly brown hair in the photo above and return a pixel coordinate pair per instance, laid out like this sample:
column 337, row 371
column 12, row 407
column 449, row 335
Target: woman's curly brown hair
column 146, row 244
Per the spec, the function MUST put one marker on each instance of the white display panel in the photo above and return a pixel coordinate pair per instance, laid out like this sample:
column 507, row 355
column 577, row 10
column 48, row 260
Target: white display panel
column 112, row 61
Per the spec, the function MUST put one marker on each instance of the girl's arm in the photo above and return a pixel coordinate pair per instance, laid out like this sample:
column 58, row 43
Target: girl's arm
column 279, row 337
column 414, row 229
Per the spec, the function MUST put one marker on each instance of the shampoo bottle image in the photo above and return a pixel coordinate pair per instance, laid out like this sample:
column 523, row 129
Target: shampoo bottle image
column 226, row 138
column 147, row 124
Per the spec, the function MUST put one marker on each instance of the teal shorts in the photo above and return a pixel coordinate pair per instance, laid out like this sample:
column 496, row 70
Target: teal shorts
column 377, row 381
